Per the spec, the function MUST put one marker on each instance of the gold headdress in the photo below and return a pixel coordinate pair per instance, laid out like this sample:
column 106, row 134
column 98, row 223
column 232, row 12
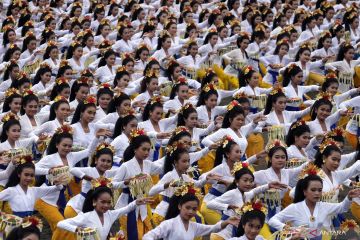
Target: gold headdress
column 61, row 80
column 331, row 75
column 240, row 165
column 60, row 98
column 129, row 111
column 136, row 132
column 105, row 145
column 10, row 92
column 276, row 90
column 8, row 117
column 64, row 63
column 327, row 143
column 180, row 129
column 181, row 80
column 255, row 205
column 240, row 95
column 311, row 169
column 187, row 188
column 152, row 74
column 155, row 99
column 170, row 149
column 65, row 128
column 83, row 79
column 208, row 87
column 164, row 34
column 186, row 106
column 323, row 95
column 225, row 141
column 274, row 143
column 232, row 104
column 32, row 221
column 247, row 69
column 105, row 85
column 298, row 124
column 22, row 159
column 90, row 99
column 51, row 43
column 101, row 182
column 338, row 131
column 28, row 92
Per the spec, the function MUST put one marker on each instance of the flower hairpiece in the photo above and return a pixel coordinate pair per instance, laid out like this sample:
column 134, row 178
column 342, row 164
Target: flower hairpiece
column 10, row 92
column 45, row 65
column 74, row 43
column 83, row 79
column 181, row 80
column 311, row 169
column 164, row 33
column 185, row 106
column 61, row 80
column 104, row 145
column 327, row 143
column 90, row 99
column 298, row 124
column 225, row 141
column 29, row 34
column 260, row 27
column 180, row 129
column 60, row 98
column 216, row 11
column 105, row 21
column 136, row 132
column 9, row 116
column 101, row 182
column 323, row 95
column 155, row 99
column 129, row 111
column 208, row 87
column 240, row 95
column 336, row 132
column 170, row 149
column 64, row 63
column 247, row 69
column 238, row 166
column 255, row 205
column 152, row 74
column 187, row 188
column 232, row 104
column 212, row 30
column 330, row 75
column 350, row 224
column 23, row 158
column 77, row 4
column 276, row 90
column 7, row 27
column 282, row 41
column 65, row 128
column 12, row 46
column 274, row 143
column 51, row 43
column 105, row 85
column 32, row 221
column 28, row 92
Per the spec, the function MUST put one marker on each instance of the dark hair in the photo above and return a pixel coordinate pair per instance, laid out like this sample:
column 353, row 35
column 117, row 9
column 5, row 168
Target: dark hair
column 101, row 27
column 121, row 123
column 140, row 50
column 175, row 88
column 322, row 40
column 306, row 21
column 234, row 112
column 72, row 11
column 45, row 35
column 26, row 99
column 247, row 217
column 162, row 39
column 6, row 128
column 5, row 36
column 62, row 70
column 93, row 195
column 18, row 83
column 272, row 99
column 10, row 52
column 277, row 20
column 244, row 78
column 81, row 107
column 238, row 174
column 170, row 159
column 76, row 87
column 136, row 142
column 205, row 95
column 26, row 41
column 117, row 101
column 296, row 132
column 107, row 54
column 71, row 49
column 257, row 34
column 319, row 157
column 22, row 232
column 209, row 36
column 175, row 201
column 41, row 71
column 104, row 91
column 9, row 68
column 48, row 49
column 99, row 153
column 8, row 100
column 343, row 49
column 86, row 36
column 272, row 152
column 120, row 74
column 182, row 115
column 149, row 65
column 221, row 152
column 289, row 73
column 302, row 185
column 328, row 82
column 145, row 82
column 317, row 104
column 54, row 107
column 171, row 69
column 301, row 51
column 149, row 107
column 176, row 137
column 57, row 89
column 56, row 139
column 14, row 178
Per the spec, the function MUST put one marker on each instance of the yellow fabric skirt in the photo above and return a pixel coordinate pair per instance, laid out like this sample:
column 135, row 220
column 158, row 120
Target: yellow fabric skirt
column 352, row 139
column 52, row 216
column 69, row 212
column 210, row 216
column 74, row 187
column 355, row 210
column 315, row 79
column 5, row 206
column 206, row 163
column 357, row 77
column 142, row 226
column 255, row 144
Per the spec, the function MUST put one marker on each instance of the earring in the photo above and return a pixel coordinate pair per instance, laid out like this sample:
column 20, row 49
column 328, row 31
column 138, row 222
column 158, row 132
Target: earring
column 94, row 204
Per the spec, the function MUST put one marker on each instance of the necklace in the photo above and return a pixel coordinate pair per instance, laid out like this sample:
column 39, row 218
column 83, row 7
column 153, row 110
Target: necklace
column 312, row 219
